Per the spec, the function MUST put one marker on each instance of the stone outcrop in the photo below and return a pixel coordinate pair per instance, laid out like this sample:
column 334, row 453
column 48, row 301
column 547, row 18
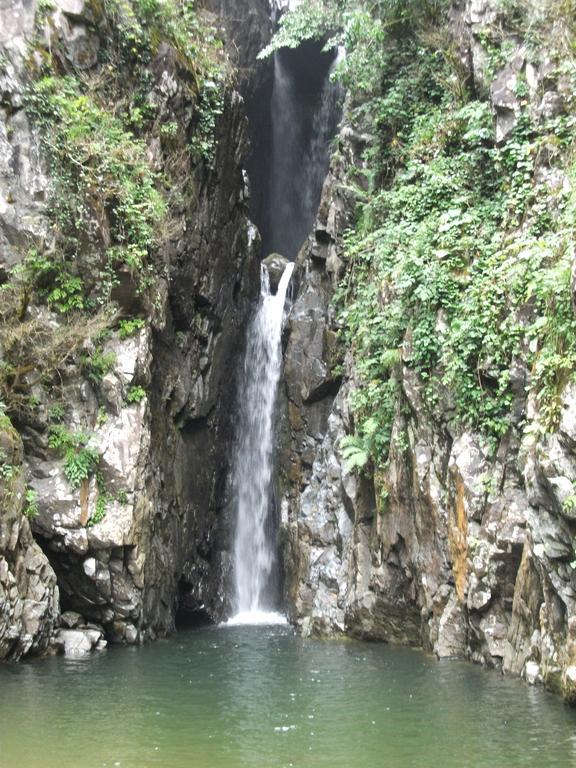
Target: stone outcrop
column 29, row 604
column 447, row 548
column 275, row 265
column 79, row 642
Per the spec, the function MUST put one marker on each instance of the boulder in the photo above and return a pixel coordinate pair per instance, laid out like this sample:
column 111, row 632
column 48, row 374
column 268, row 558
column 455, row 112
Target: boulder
column 79, row 642
column 275, row 265
column 71, row 619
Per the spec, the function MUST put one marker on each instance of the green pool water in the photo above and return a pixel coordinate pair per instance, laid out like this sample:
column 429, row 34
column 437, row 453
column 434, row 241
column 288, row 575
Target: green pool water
column 263, row 697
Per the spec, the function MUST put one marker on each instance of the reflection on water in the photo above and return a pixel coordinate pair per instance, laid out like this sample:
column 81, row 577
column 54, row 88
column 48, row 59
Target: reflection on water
column 258, row 697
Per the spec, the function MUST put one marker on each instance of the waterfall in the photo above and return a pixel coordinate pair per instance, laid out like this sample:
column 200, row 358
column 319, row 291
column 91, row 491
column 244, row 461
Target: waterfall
column 305, row 107
column 254, row 546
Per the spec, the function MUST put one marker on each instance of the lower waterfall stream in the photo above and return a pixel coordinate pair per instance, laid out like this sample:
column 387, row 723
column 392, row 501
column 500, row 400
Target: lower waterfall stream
column 254, row 552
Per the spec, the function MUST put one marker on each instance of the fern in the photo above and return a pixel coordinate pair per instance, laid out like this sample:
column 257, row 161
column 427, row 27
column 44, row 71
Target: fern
column 354, row 452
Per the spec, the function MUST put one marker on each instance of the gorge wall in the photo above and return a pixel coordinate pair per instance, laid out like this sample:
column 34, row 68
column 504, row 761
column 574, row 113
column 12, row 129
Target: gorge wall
column 448, row 543
column 123, row 316
column 117, row 372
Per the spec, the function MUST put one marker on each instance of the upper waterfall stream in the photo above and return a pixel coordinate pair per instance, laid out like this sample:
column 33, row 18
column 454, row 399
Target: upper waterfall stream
column 303, row 125
column 254, row 546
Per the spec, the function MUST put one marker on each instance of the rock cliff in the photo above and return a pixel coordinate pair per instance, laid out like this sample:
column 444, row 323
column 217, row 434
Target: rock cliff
column 118, row 366
column 451, row 545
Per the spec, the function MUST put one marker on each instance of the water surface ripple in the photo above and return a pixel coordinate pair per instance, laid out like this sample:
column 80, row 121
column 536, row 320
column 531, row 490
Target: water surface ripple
column 262, row 697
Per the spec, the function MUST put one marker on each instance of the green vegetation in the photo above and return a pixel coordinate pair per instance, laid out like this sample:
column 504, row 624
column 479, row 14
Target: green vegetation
column 102, row 501
column 80, row 458
column 458, row 264
column 31, row 503
column 102, row 169
column 99, row 510
column 7, row 471
column 97, row 364
column 56, row 413
column 36, row 351
column 51, row 281
column 130, row 327
column 135, row 394
column 12, row 489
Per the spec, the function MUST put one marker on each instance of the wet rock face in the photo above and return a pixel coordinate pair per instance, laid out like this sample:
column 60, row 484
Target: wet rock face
column 311, row 506
column 249, row 29
column 29, row 599
column 465, row 553
column 23, row 181
column 214, row 284
column 275, row 265
column 100, row 565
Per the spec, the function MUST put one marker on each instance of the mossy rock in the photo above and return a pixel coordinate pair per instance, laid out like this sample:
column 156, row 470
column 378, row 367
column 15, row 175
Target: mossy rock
column 12, row 485
column 11, row 451
column 569, row 686
column 553, row 682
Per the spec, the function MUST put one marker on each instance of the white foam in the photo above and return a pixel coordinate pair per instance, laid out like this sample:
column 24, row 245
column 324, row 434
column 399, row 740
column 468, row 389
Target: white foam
column 256, row 619
column 254, row 547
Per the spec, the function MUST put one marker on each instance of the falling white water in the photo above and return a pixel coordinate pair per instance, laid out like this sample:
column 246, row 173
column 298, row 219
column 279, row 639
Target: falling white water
column 254, row 546
column 256, row 619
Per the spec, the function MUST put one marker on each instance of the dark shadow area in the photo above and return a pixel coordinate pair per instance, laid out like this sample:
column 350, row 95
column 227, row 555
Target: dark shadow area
column 189, row 614
column 293, row 119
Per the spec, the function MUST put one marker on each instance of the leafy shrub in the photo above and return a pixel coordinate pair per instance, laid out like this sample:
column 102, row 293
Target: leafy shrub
column 130, row 327
column 56, row 412
column 98, row 364
column 135, row 394
column 97, row 158
column 31, row 509
column 7, row 471
column 80, row 459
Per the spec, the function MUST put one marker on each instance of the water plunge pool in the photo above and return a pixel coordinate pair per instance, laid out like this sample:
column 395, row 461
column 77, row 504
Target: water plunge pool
column 263, row 697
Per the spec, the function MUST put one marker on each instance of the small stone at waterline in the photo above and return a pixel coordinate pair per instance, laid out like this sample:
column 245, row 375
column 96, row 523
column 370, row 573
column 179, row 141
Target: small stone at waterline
column 532, row 672
column 71, row 619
